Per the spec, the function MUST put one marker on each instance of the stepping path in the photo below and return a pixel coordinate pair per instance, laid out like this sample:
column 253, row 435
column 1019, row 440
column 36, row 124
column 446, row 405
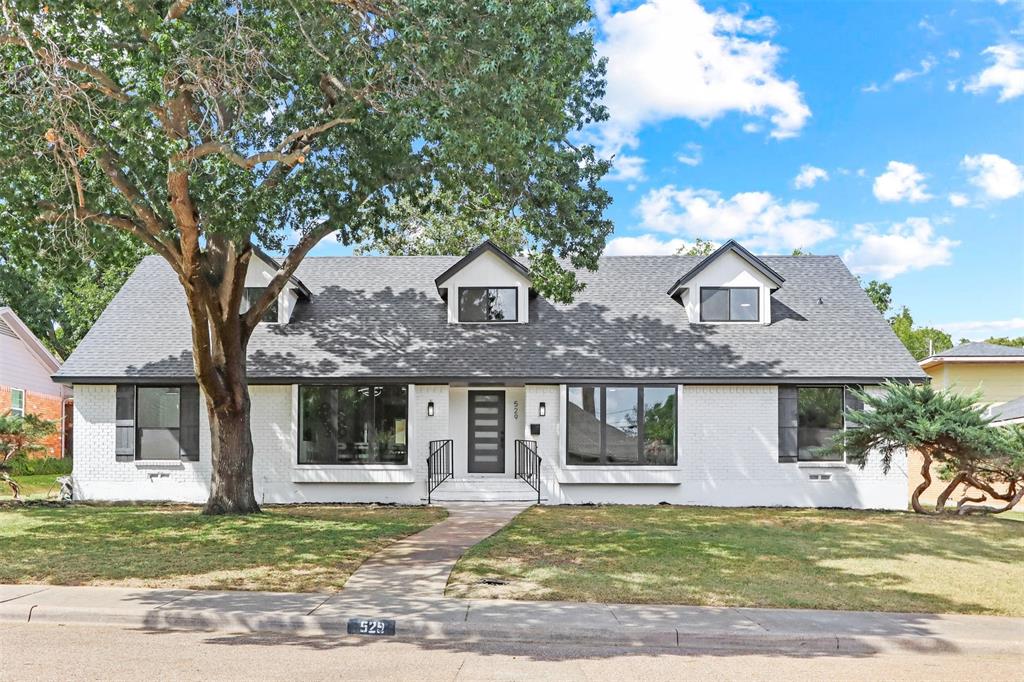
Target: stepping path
column 410, row 576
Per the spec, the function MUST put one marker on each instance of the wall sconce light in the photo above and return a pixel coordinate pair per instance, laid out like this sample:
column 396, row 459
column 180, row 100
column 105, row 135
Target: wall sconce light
column 430, row 408
column 543, row 410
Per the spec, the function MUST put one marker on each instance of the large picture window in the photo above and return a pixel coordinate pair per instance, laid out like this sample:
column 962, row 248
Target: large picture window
column 729, row 304
column 158, row 422
column 819, row 418
column 621, row 425
column 488, row 304
column 353, row 424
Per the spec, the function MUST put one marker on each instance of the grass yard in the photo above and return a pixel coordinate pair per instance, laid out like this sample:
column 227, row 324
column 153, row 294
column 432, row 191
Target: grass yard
column 32, row 487
column 293, row 549
column 822, row 559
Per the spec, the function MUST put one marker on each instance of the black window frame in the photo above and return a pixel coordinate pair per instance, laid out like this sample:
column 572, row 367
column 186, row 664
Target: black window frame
column 373, row 425
column 641, row 425
column 183, row 452
column 271, row 315
column 458, row 304
column 728, row 306
column 841, row 459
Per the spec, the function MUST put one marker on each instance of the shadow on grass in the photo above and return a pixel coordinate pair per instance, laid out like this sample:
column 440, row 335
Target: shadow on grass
column 295, row 549
column 828, row 559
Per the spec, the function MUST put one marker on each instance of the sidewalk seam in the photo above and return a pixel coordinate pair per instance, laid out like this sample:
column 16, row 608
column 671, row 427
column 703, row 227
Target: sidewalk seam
column 21, row 596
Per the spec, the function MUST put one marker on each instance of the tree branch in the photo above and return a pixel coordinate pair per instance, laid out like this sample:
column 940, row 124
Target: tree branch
column 104, row 83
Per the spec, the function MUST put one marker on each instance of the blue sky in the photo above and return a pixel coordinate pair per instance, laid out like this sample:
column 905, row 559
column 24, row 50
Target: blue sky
column 891, row 133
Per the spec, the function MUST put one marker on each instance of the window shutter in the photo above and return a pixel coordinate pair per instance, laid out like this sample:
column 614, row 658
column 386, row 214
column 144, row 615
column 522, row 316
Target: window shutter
column 124, row 420
column 788, row 424
column 189, row 423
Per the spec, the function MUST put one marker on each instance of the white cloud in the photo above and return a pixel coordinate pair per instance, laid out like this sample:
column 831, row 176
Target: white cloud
column 758, row 219
column 953, row 54
column 996, row 177
column 910, row 245
column 691, row 156
column 1005, row 74
column 872, row 87
column 644, row 245
column 927, row 65
column 901, row 181
column 627, row 167
column 978, row 330
column 674, row 59
column 809, row 176
column 958, row 200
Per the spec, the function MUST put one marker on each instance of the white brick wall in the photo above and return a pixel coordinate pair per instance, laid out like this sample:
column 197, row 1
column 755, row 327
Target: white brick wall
column 728, row 456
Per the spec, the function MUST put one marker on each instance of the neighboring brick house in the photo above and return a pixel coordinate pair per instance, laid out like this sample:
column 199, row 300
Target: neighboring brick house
column 25, row 384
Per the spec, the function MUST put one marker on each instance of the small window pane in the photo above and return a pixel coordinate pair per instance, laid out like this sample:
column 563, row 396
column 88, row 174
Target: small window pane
column 621, row 428
column 714, row 304
column 659, row 425
column 743, row 305
column 319, row 441
column 251, row 296
column 18, row 402
column 390, row 412
column 481, row 304
column 583, row 420
column 125, row 410
column 159, row 414
column 354, row 423
column 820, row 415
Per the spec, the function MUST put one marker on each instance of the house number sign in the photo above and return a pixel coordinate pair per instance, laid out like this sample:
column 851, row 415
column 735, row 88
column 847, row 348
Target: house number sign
column 363, row 626
column 515, row 410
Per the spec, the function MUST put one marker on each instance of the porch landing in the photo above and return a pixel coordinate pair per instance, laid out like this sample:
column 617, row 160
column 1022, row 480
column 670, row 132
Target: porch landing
column 484, row 489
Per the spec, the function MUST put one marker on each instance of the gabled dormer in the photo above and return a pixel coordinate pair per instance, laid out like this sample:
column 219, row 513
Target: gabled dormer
column 729, row 286
column 487, row 286
column 262, row 269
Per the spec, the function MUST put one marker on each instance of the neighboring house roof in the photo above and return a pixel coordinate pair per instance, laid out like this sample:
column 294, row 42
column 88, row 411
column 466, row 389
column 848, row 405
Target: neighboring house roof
column 487, row 246
column 379, row 317
column 11, row 325
column 1012, row 411
column 729, row 247
column 976, row 351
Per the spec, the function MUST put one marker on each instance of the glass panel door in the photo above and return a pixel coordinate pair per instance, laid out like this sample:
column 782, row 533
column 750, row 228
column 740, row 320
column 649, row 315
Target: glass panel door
column 486, row 432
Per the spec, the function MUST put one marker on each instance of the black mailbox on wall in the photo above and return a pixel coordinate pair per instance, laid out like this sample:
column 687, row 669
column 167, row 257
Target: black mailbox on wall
column 534, row 429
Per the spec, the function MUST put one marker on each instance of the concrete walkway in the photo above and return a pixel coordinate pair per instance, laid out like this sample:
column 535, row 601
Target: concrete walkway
column 406, row 581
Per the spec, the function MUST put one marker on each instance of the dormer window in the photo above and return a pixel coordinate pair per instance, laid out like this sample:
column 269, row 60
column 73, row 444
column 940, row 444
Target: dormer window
column 488, row 304
column 729, row 304
column 252, row 295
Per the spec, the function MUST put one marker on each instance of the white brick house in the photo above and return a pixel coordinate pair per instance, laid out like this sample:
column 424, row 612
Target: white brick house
column 669, row 379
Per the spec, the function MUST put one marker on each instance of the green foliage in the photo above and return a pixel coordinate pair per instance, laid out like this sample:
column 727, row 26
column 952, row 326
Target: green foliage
column 949, row 427
column 880, row 294
column 920, row 341
column 59, row 286
column 45, row 466
column 1017, row 342
column 20, row 436
column 700, row 247
column 290, row 118
column 801, row 252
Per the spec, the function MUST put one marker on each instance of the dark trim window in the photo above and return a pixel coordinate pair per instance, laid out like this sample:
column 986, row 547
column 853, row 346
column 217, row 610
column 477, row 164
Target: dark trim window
column 18, row 402
column 488, row 304
column 730, row 304
column 621, row 425
column 820, row 416
column 354, row 424
column 157, row 422
column 251, row 295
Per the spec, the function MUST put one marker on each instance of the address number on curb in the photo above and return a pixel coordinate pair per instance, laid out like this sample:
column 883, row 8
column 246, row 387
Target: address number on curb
column 361, row 626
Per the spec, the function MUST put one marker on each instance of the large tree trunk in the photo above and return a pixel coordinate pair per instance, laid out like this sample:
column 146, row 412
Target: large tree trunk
column 231, row 486
column 926, row 475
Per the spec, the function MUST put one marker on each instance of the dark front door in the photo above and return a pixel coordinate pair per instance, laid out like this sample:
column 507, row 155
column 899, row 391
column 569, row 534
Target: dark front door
column 486, row 432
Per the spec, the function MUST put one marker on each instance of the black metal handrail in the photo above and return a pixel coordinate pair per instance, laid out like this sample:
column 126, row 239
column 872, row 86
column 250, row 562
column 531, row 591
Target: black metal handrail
column 440, row 464
column 528, row 464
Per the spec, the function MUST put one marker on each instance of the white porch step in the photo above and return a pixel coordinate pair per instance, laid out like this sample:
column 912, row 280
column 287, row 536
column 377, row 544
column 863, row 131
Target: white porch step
column 484, row 490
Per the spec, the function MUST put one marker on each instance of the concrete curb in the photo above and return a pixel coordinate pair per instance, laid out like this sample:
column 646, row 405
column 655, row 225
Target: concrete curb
column 420, row 629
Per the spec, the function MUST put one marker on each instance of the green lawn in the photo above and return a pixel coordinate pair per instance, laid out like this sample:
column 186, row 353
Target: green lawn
column 32, row 487
column 298, row 549
column 886, row 561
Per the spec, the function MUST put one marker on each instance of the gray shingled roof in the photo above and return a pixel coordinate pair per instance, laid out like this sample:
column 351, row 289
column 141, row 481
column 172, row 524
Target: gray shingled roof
column 979, row 349
column 1007, row 411
column 381, row 317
